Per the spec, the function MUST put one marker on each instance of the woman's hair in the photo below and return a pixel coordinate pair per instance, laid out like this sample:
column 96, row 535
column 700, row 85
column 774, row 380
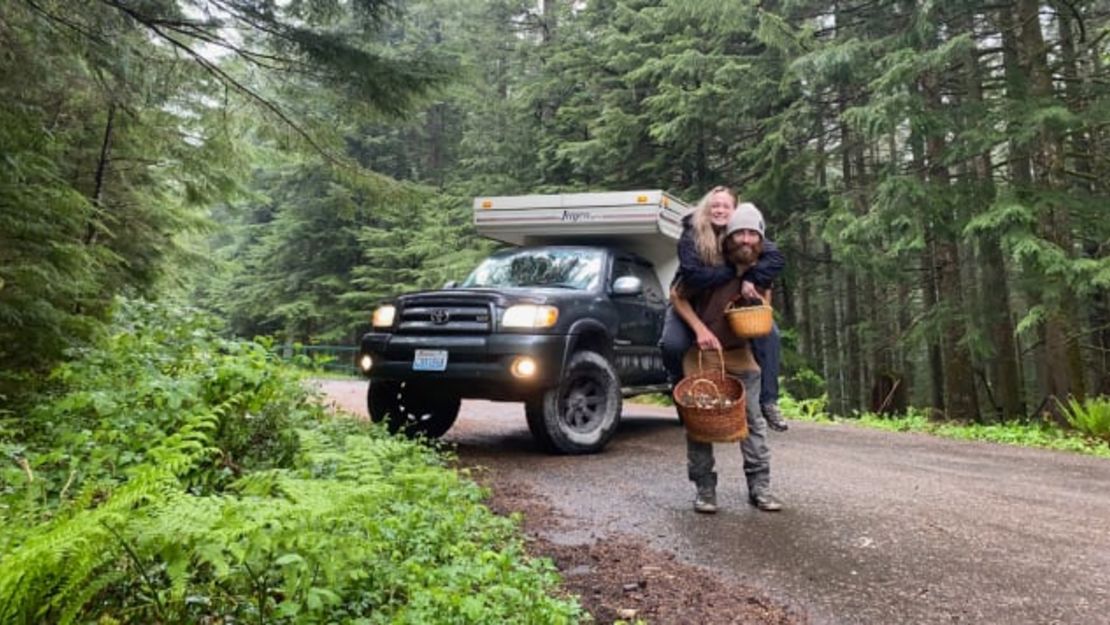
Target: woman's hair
column 707, row 241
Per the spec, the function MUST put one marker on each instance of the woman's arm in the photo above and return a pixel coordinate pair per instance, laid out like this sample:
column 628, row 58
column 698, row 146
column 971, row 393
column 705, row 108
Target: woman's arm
column 770, row 264
column 694, row 272
column 704, row 337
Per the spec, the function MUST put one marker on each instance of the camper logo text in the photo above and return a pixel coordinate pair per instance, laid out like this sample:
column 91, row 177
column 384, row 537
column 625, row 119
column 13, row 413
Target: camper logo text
column 577, row 216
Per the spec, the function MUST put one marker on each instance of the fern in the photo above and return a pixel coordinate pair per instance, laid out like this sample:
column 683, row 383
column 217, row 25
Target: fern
column 1091, row 417
column 239, row 502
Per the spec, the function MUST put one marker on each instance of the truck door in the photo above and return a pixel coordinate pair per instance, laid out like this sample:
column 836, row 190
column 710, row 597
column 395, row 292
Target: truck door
column 639, row 360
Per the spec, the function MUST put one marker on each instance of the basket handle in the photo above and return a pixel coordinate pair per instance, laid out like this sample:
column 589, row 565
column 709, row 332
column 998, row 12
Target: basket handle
column 732, row 304
column 720, row 358
column 716, row 391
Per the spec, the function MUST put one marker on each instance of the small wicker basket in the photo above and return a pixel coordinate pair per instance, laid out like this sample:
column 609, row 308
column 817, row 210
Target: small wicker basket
column 750, row 322
column 713, row 406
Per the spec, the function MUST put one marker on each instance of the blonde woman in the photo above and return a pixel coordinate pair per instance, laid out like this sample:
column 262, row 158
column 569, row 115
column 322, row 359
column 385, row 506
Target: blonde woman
column 701, row 266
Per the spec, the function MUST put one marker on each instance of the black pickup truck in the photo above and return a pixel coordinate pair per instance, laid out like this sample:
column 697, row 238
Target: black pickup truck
column 568, row 330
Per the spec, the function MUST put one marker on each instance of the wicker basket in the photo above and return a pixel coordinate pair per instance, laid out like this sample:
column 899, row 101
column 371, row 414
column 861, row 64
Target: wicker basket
column 750, row 322
column 713, row 406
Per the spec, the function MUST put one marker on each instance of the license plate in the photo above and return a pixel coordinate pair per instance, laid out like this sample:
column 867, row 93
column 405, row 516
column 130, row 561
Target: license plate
column 430, row 360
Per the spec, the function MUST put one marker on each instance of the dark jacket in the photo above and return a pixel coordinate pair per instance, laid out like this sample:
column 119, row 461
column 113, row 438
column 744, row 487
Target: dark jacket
column 696, row 275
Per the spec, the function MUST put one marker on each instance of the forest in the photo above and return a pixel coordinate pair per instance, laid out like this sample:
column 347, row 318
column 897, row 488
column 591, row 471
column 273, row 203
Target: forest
column 188, row 186
column 935, row 171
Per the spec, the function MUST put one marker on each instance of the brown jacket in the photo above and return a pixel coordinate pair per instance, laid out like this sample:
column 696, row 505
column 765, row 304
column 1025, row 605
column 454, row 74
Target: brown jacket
column 710, row 307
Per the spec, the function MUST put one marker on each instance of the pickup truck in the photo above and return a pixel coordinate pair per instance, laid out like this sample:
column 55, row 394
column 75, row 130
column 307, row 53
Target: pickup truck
column 568, row 321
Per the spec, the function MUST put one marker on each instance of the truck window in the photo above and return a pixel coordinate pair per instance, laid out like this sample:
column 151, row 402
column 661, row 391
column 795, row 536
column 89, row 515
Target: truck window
column 578, row 269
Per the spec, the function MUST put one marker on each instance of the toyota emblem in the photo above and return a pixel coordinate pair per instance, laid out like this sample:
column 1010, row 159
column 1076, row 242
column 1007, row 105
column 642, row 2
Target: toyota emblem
column 440, row 316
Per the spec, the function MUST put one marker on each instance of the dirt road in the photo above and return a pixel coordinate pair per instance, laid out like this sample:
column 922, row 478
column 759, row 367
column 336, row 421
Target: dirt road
column 879, row 528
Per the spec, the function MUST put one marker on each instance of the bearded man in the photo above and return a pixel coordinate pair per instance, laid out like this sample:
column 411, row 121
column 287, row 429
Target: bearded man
column 704, row 312
column 743, row 247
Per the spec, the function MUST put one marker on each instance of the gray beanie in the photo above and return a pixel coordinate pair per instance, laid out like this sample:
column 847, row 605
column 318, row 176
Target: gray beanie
column 746, row 217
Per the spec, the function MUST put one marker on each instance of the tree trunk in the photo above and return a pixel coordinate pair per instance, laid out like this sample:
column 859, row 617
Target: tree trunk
column 929, row 298
column 1063, row 361
column 1100, row 321
column 1076, row 85
column 818, row 335
column 92, row 230
column 549, row 21
column 853, row 181
column 929, row 289
column 960, row 397
column 994, row 291
column 903, row 359
column 833, row 369
column 853, row 366
column 805, row 286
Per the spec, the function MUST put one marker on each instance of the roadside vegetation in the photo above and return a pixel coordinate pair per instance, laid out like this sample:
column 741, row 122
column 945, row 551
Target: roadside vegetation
column 1088, row 430
column 165, row 474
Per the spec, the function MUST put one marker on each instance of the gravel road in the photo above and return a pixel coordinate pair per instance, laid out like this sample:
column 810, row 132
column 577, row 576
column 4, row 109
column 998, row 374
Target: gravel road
column 879, row 528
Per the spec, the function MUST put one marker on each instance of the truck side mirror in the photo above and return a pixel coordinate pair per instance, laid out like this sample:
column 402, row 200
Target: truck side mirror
column 628, row 285
column 450, row 284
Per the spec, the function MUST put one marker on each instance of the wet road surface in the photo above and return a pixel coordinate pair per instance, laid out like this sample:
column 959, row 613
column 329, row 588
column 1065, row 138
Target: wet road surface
column 879, row 528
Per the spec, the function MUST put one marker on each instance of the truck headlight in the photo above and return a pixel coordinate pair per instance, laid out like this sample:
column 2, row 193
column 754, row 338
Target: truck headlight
column 383, row 316
column 530, row 316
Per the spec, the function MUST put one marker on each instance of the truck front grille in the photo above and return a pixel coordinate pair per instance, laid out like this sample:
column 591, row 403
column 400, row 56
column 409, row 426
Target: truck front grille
column 445, row 317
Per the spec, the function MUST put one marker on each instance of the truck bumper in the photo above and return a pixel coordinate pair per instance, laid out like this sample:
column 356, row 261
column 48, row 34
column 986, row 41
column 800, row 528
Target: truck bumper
column 478, row 366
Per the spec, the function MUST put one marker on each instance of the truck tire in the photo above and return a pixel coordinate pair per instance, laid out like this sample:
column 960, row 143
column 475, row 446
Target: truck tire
column 533, row 413
column 412, row 408
column 581, row 414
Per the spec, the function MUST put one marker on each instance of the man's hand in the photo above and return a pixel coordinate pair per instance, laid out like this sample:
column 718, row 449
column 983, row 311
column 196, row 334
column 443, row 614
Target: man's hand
column 747, row 289
column 706, row 339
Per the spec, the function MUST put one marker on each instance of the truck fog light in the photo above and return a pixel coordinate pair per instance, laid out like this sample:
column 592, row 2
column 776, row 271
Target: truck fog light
column 365, row 363
column 523, row 367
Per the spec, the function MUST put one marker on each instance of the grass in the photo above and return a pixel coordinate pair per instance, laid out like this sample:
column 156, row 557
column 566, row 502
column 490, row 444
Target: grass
column 652, row 399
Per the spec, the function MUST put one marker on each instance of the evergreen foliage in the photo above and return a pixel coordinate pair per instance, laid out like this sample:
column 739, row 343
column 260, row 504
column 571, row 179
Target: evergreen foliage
column 309, row 260
column 905, row 158
column 932, row 170
column 124, row 123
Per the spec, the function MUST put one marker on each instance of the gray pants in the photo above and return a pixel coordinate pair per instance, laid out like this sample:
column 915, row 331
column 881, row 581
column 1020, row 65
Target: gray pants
column 757, row 458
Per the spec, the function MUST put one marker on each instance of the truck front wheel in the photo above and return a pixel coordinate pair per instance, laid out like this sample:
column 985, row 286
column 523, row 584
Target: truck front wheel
column 581, row 414
column 533, row 413
column 412, row 408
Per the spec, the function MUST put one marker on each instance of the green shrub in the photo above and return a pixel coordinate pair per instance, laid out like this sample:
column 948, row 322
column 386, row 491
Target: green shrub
column 109, row 406
column 172, row 476
column 804, row 383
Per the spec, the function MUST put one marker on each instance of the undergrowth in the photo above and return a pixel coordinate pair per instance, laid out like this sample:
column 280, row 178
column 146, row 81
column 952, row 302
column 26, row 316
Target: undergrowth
column 1038, row 434
column 170, row 476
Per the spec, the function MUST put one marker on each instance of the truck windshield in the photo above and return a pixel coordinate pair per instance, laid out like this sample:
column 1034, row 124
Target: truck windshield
column 578, row 269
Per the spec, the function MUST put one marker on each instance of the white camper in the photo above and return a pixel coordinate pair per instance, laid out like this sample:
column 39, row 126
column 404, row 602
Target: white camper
column 647, row 223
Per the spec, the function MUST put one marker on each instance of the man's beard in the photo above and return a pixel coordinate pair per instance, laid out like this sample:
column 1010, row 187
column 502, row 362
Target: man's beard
column 745, row 254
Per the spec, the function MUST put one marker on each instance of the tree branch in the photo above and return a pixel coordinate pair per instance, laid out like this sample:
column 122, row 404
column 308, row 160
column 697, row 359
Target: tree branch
column 228, row 79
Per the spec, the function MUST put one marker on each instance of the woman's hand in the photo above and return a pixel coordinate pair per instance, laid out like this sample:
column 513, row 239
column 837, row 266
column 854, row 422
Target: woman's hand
column 706, row 339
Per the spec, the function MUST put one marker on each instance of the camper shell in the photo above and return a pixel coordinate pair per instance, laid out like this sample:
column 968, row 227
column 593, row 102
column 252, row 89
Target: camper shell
column 647, row 223
column 567, row 319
